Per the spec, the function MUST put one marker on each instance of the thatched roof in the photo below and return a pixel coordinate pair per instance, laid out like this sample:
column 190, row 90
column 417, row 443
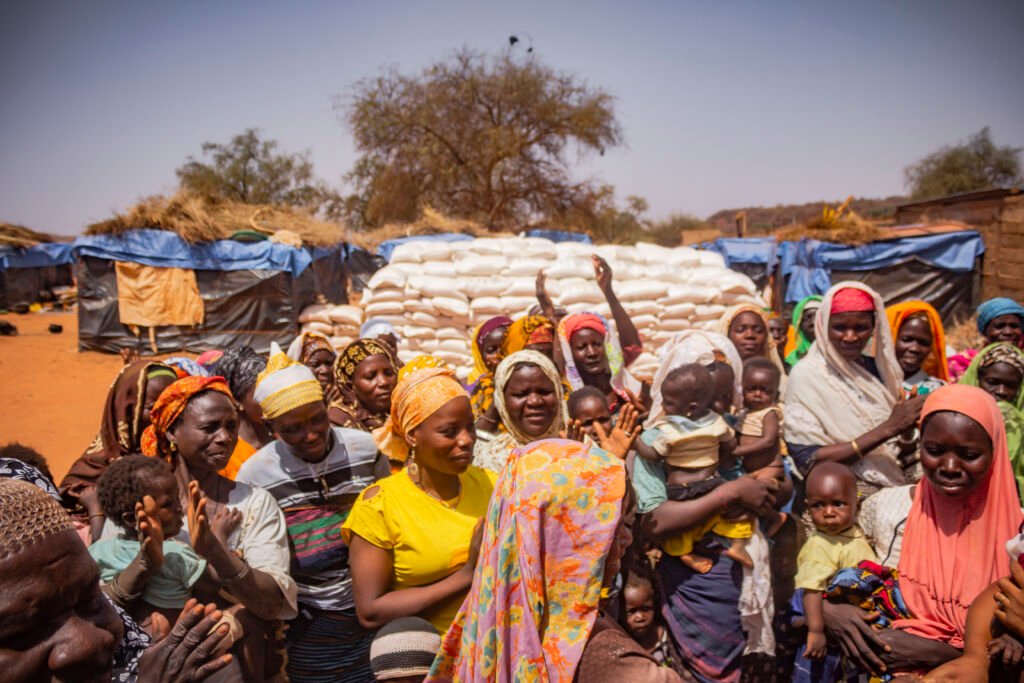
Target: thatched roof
column 195, row 218
column 13, row 235
column 430, row 222
column 838, row 225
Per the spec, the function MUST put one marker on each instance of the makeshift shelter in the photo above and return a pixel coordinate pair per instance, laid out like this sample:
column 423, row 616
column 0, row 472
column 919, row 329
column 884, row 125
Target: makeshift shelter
column 32, row 265
column 196, row 274
column 999, row 216
column 937, row 263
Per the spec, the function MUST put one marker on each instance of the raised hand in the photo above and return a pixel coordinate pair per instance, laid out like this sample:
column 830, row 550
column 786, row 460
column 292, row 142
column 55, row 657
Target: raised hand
column 547, row 306
column 622, row 436
column 201, row 536
column 574, row 431
column 603, row 273
column 224, row 523
column 151, row 533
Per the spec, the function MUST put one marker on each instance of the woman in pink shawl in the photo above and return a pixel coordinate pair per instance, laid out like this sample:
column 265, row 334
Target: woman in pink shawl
column 554, row 537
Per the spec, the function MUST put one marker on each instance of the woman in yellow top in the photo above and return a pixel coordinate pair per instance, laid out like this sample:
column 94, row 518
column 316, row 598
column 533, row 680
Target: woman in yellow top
column 412, row 547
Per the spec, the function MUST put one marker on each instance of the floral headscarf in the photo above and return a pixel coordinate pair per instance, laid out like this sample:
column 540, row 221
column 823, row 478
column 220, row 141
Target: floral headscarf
column 353, row 414
column 537, row 584
column 169, row 407
column 621, row 379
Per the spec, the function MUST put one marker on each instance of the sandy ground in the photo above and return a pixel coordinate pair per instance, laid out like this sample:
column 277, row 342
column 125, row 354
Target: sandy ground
column 52, row 395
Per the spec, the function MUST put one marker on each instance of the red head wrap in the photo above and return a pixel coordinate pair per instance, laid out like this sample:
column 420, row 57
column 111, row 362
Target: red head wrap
column 583, row 321
column 850, row 300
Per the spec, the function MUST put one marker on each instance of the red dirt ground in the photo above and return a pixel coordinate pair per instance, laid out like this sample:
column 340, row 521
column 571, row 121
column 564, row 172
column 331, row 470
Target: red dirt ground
column 51, row 396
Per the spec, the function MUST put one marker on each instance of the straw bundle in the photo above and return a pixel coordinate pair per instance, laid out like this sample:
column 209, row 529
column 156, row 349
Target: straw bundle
column 19, row 236
column 430, row 222
column 197, row 218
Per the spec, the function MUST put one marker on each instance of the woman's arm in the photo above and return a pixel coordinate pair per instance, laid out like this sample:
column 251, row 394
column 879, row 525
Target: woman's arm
column 904, row 415
column 973, row 665
column 255, row 589
column 629, row 337
column 376, row 604
column 673, row 517
column 489, row 419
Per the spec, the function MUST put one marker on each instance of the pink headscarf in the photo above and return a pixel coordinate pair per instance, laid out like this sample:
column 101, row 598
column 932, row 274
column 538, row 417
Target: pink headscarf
column 954, row 549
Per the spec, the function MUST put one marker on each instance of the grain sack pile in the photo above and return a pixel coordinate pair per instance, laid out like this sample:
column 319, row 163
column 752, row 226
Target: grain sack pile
column 435, row 293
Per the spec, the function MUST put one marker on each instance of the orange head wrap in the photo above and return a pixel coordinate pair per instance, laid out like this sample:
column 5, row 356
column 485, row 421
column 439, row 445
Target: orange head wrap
column 169, row 407
column 418, row 395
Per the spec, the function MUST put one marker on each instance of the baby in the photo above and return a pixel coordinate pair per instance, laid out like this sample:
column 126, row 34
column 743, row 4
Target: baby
column 143, row 569
column 693, row 443
column 837, row 543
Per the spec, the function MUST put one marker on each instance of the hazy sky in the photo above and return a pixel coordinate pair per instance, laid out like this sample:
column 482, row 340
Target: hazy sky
column 723, row 104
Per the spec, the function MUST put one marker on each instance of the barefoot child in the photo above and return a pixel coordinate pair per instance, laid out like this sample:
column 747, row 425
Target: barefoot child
column 693, row 443
column 837, row 543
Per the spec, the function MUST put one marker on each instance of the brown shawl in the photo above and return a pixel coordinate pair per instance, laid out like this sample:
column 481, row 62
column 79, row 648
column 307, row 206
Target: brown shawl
column 120, row 430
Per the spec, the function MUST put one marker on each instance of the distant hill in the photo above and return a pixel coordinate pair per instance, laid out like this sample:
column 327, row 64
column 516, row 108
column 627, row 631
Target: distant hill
column 762, row 220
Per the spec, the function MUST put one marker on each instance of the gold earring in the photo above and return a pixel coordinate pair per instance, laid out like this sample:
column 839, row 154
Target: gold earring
column 411, row 466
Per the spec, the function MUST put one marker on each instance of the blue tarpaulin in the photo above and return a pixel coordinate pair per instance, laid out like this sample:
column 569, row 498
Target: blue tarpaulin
column 386, row 247
column 38, row 256
column 560, row 235
column 809, row 263
column 763, row 250
column 165, row 249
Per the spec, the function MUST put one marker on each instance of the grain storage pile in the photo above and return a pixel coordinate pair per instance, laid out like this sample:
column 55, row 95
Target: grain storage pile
column 434, row 293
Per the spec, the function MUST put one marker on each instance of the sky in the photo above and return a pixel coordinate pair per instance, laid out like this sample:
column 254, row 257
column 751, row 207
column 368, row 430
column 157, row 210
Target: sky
column 723, row 105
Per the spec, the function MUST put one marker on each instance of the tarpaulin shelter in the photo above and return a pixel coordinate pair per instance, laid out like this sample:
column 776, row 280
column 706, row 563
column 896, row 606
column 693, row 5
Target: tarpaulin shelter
column 246, row 292
column 937, row 263
column 31, row 264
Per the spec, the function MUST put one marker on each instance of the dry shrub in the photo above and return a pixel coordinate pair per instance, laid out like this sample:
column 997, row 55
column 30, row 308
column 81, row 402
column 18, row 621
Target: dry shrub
column 19, row 236
column 197, row 218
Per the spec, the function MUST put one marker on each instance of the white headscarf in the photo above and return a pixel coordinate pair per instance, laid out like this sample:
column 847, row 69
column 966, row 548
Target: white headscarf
column 694, row 346
column 493, row 454
column 830, row 400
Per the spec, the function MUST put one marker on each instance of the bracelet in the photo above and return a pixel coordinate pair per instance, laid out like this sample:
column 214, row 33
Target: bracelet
column 237, row 577
column 119, row 593
column 98, row 514
column 856, row 449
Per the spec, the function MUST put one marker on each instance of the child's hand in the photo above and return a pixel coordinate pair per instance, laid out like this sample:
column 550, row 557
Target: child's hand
column 817, row 646
column 224, row 522
column 1008, row 648
column 151, row 533
column 89, row 500
column 573, row 431
column 622, row 436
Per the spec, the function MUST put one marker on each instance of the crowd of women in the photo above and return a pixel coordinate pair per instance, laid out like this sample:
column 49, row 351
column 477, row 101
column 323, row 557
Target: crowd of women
column 836, row 499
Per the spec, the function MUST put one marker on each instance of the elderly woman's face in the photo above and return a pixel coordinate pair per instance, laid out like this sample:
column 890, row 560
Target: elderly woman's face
column 322, row 364
column 588, row 352
column 748, row 333
column 373, row 381
column 55, row 623
column 206, row 432
column 1005, row 328
column 444, row 441
column 956, row 453
column 531, row 400
column 850, row 332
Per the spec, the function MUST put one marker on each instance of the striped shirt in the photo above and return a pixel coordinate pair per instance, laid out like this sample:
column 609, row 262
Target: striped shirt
column 316, row 499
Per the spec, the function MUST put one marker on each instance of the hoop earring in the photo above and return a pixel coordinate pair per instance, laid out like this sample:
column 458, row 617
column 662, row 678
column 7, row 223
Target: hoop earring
column 412, row 467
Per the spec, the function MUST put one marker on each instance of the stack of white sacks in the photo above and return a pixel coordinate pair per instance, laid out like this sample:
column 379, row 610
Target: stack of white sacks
column 435, row 293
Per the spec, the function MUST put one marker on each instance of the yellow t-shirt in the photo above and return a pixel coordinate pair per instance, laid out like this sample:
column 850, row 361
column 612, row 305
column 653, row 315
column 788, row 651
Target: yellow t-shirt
column 428, row 540
column 825, row 554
